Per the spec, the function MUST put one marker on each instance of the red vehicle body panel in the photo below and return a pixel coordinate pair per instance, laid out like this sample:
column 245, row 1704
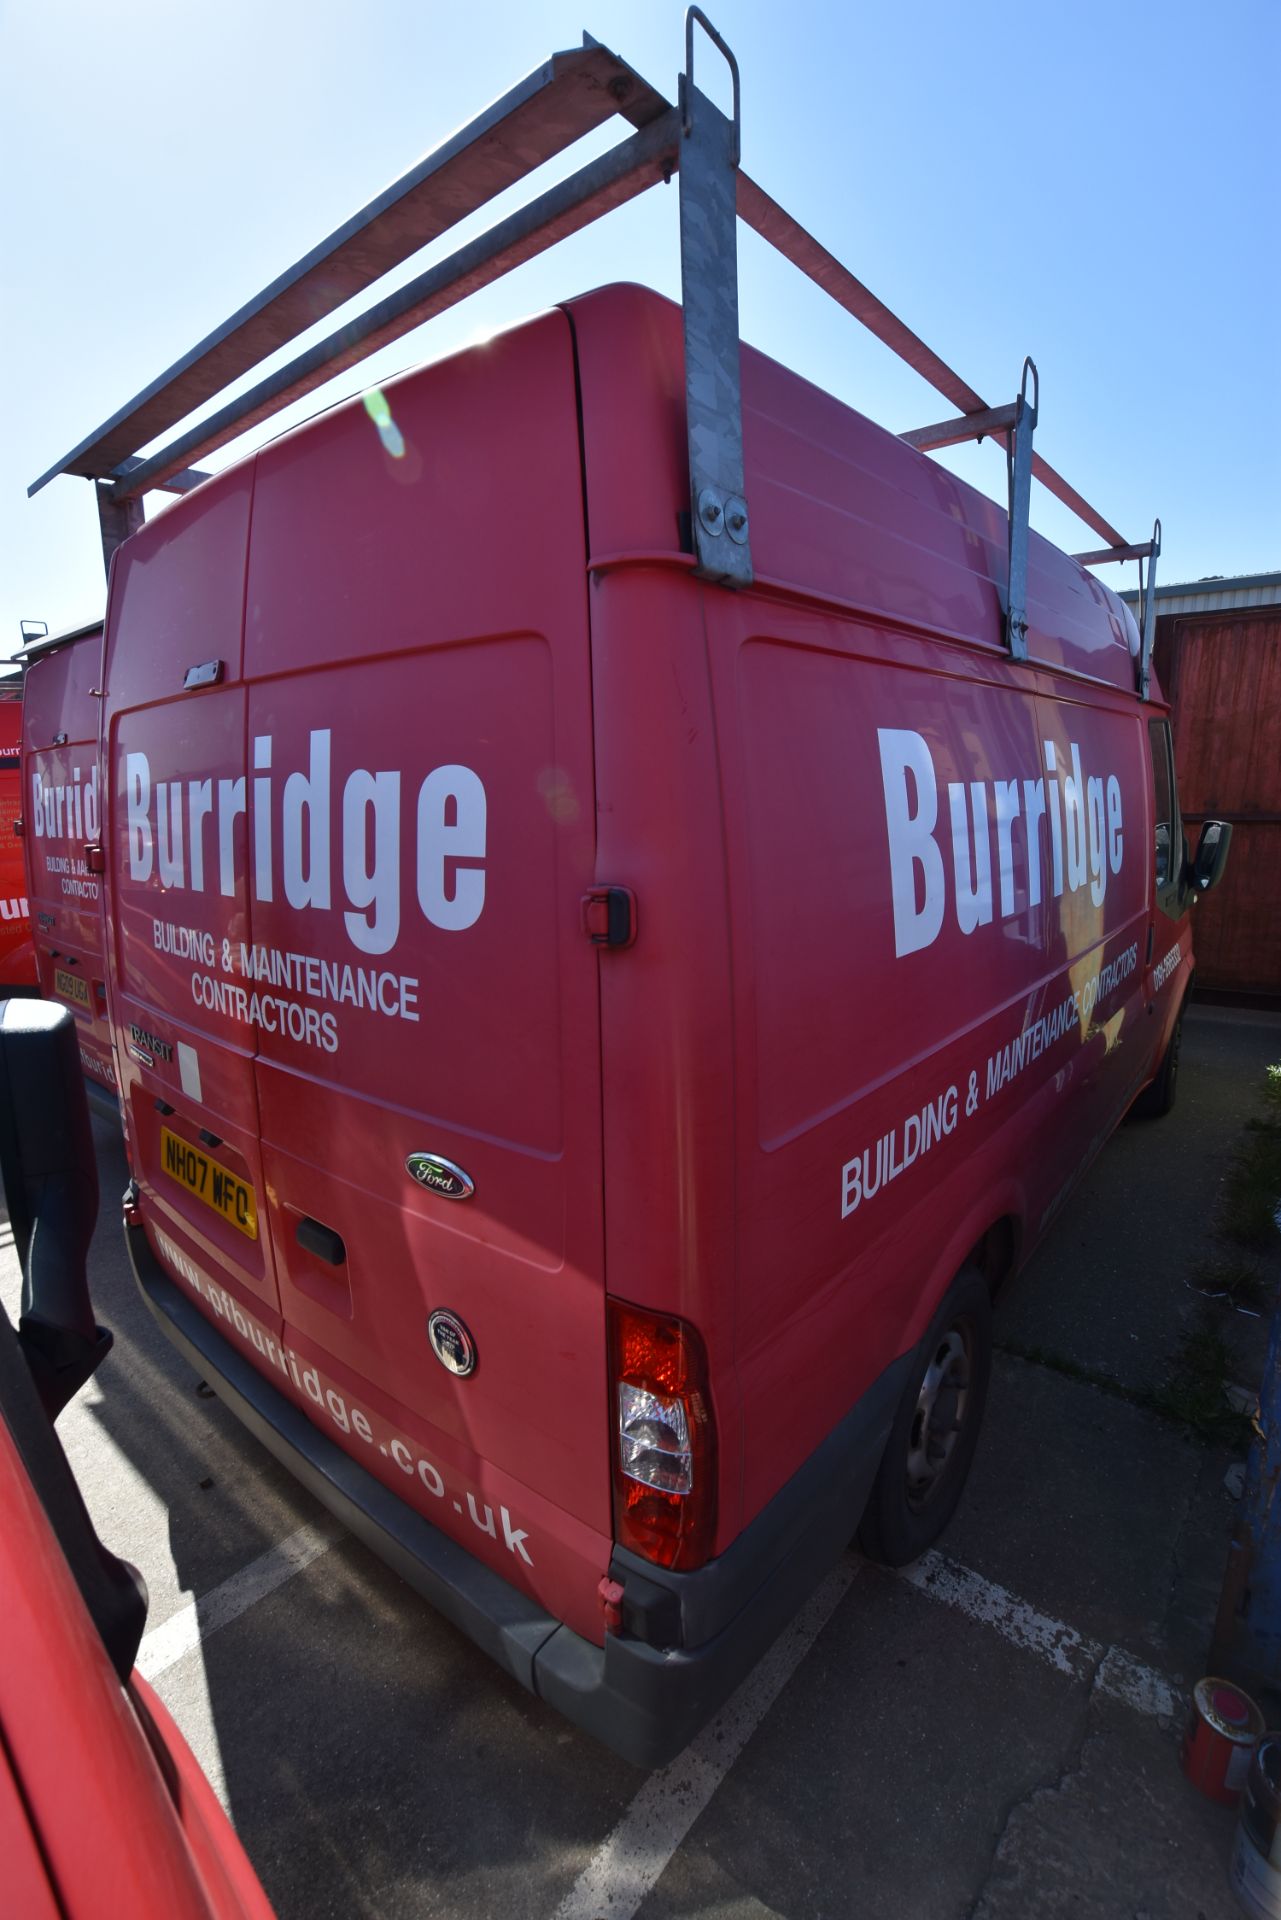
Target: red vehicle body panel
column 481, row 1043
column 103, row 1809
column 61, row 817
column 788, row 1036
column 17, row 950
column 852, row 1038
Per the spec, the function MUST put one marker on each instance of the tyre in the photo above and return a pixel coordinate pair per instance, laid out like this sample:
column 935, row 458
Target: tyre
column 1159, row 1097
column 936, row 1428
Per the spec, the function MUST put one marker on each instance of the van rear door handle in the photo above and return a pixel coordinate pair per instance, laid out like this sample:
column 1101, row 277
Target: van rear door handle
column 321, row 1240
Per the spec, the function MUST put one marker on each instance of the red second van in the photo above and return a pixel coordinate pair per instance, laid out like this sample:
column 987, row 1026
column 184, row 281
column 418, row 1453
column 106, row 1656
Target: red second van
column 17, row 952
column 62, row 835
column 617, row 1005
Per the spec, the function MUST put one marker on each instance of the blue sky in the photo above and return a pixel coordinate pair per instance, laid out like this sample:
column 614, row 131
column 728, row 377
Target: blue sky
column 1096, row 184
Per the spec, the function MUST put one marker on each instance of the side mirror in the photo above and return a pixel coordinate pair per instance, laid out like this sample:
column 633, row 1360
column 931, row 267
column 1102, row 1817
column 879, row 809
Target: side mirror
column 1211, row 855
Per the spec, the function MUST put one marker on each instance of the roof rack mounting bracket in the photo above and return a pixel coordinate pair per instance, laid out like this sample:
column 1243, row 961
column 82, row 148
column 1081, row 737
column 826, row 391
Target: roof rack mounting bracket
column 1147, row 588
column 1018, row 448
column 709, row 298
column 117, row 519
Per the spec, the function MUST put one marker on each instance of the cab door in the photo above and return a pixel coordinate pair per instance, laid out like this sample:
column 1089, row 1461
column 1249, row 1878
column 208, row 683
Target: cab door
column 1169, row 946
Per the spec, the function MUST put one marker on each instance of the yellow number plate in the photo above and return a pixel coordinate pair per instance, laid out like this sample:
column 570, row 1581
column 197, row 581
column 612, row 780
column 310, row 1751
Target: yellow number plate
column 71, row 986
column 219, row 1189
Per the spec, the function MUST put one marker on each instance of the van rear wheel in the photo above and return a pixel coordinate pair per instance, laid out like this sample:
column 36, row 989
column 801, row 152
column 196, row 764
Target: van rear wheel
column 936, row 1428
column 1158, row 1099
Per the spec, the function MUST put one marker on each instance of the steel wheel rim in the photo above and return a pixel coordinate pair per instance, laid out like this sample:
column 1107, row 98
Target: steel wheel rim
column 940, row 1413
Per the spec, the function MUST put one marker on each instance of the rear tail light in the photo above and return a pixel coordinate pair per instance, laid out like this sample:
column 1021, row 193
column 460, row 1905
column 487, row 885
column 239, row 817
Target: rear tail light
column 664, row 1440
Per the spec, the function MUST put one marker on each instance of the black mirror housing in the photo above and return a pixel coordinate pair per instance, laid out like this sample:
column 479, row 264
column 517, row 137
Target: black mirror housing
column 1211, row 855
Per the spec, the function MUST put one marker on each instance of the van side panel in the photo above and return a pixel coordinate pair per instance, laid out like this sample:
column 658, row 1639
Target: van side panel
column 62, row 813
column 937, row 888
column 932, row 865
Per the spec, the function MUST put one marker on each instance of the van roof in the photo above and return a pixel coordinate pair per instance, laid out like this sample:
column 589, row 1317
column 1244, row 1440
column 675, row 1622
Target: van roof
column 843, row 510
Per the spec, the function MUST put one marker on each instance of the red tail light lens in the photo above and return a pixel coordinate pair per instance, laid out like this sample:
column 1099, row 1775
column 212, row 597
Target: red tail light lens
column 664, row 1438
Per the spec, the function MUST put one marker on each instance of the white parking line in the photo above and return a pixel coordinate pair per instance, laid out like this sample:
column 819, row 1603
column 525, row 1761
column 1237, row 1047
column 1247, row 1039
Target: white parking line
column 1114, row 1672
column 624, row 1868
column 630, row 1861
column 176, row 1636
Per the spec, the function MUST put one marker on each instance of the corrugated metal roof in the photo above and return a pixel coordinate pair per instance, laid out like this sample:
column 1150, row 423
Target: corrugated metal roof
column 1218, row 594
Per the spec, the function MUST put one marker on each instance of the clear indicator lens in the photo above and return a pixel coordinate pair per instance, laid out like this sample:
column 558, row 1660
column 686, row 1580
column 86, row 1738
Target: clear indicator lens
column 654, row 1445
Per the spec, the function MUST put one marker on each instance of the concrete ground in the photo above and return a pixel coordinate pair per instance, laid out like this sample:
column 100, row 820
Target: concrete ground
column 993, row 1734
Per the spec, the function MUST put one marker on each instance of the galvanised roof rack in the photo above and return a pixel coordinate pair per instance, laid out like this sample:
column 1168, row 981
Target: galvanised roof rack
column 571, row 95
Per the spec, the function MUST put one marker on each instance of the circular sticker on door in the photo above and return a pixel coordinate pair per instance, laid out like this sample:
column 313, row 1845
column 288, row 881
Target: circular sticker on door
column 451, row 1343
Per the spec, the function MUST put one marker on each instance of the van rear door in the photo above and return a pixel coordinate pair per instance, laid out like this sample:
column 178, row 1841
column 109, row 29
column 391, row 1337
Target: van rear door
column 61, row 820
column 174, row 763
column 428, row 1053
column 17, row 954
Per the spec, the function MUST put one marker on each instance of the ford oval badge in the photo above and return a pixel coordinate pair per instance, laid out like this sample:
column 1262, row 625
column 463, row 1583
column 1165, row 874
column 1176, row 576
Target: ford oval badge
column 440, row 1176
column 451, row 1343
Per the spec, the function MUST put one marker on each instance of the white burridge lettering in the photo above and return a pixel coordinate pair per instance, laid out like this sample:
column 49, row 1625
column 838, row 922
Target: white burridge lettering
column 306, row 809
column 912, row 842
column 352, row 862
column 371, row 859
column 1116, row 844
column 138, row 803
column 1086, row 838
column 442, row 841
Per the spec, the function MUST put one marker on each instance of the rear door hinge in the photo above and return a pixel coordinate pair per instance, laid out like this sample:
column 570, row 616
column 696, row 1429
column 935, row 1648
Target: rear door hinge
column 609, row 916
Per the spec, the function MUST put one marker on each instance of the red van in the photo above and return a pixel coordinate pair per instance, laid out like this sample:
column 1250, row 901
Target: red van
column 17, row 951
column 103, row 1808
column 62, row 835
column 614, row 1005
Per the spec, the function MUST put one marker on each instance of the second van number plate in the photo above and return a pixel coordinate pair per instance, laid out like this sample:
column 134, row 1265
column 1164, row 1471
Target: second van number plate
column 71, row 986
column 218, row 1188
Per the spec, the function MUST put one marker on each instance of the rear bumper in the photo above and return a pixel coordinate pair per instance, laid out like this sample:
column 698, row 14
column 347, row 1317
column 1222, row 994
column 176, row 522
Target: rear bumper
column 644, row 1701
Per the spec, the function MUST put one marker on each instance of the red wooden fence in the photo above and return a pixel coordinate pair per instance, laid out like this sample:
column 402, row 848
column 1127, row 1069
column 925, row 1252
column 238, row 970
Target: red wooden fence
column 1222, row 673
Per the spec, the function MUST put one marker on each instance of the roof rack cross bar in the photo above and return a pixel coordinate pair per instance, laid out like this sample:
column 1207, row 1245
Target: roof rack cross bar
column 185, row 482
column 709, row 283
column 969, row 426
column 1107, row 554
column 1019, row 467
